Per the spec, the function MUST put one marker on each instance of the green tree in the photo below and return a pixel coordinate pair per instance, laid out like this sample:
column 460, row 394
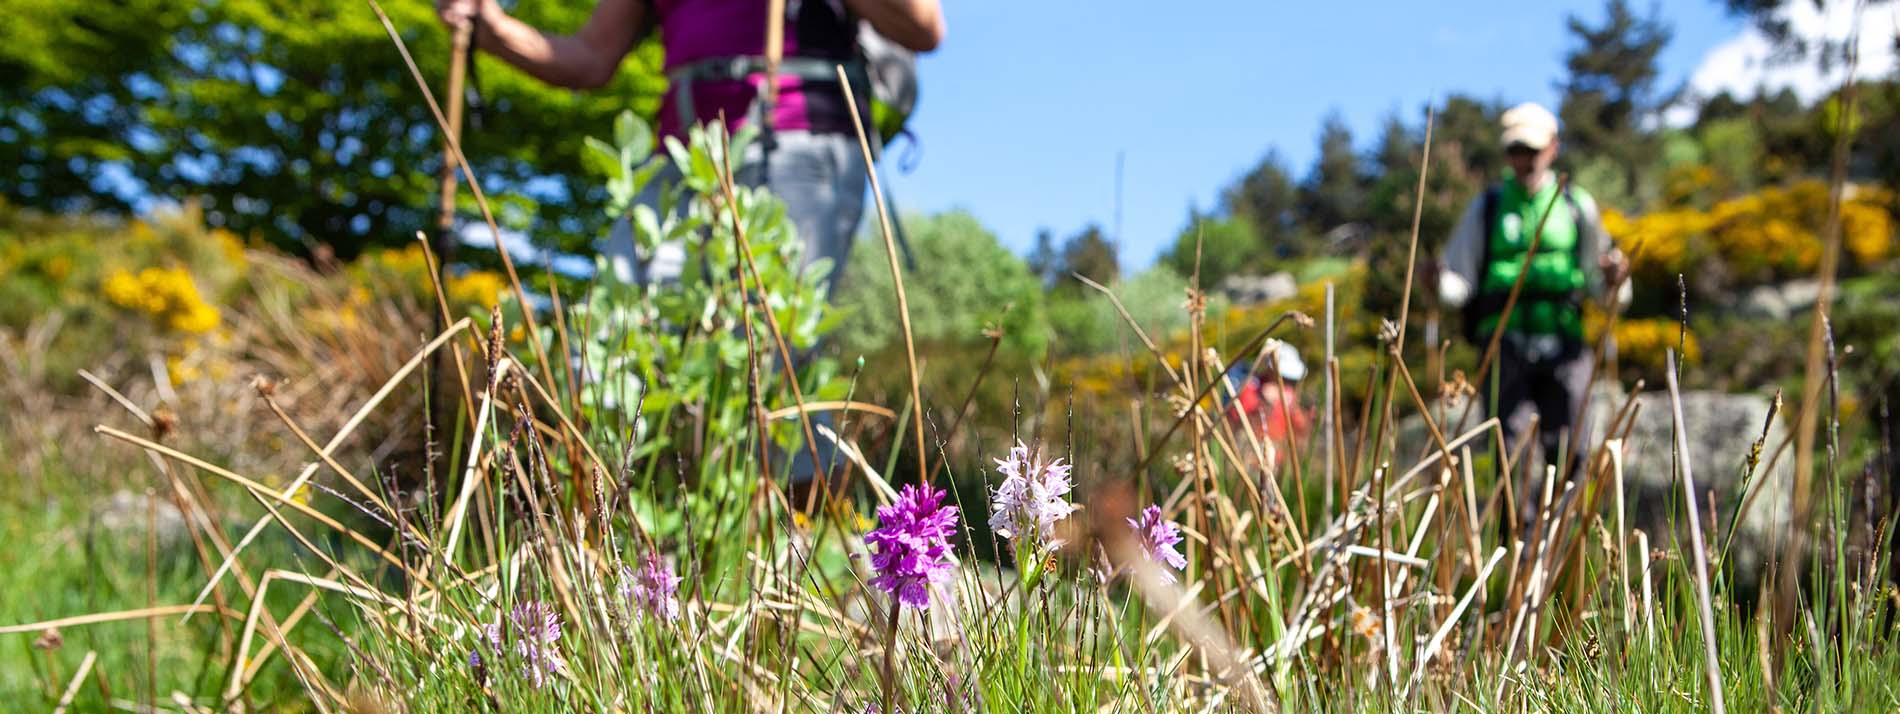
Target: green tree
column 1398, row 146
column 1465, row 133
column 1228, row 245
column 294, row 120
column 1733, row 148
column 1090, row 255
column 1267, row 198
column 1335, row 192
column 1609, row 95
column 1393, row 197
column 1044, row 262
column 1083, row 324
column 989, row 285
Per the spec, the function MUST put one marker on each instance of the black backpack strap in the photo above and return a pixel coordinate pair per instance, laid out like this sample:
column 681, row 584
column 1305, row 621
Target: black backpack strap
column 1488, row 217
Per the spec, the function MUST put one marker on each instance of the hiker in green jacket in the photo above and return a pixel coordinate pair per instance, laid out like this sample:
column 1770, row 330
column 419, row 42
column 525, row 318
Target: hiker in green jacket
column 1541, row 359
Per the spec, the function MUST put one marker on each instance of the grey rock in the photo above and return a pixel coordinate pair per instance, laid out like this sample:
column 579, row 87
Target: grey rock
column 1800, row 294
column 1779, row 302
column 1722, row 429
column 1765, row 301
column 1253, row 289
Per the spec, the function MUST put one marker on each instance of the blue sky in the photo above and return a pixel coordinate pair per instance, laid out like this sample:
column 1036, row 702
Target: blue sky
column 1026, row 104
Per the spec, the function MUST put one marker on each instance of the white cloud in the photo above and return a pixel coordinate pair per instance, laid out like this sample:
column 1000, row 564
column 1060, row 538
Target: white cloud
column 1743, row 63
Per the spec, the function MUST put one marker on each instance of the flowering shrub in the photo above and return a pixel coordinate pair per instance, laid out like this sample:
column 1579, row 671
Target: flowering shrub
column 1771, row 234
column 408, row 268
column 167, row 295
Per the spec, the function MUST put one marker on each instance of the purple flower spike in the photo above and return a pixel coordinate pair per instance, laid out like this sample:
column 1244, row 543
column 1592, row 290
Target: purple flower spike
column 1031, row 499
column 653, row 588
column 534, row 627
column 913, row 545
column 1158, row 538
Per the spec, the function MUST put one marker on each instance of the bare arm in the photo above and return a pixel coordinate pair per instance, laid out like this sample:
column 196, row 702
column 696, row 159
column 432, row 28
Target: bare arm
column 586, row 59
column 915, row 24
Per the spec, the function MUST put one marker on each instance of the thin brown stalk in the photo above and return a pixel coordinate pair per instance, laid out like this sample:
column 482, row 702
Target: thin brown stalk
column 1390, row 654
column 453, row 142
column 1330, row 413
column 751, row 268
column 1815, row 376
column 890, row 657
column 115, row 616
column 1418, row 212
column 376, row 500
column 1294, row 456
column 442, row 312
column 897, row 275
column 1615, row 449
column 151, row 593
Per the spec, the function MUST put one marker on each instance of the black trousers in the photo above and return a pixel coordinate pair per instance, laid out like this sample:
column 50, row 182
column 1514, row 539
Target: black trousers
column 1547, row 376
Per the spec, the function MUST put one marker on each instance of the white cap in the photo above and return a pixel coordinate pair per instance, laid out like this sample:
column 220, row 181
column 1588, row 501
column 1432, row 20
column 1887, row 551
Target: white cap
column 1287, row 359
column 1529, row 124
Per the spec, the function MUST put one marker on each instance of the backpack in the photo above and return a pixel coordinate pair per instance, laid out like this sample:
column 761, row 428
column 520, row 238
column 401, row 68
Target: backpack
column 891, row 71
column 883, row 72
column 1481, row 304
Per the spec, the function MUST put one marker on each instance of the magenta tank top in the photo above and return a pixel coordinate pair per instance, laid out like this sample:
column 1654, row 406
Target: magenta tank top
column 693, row 30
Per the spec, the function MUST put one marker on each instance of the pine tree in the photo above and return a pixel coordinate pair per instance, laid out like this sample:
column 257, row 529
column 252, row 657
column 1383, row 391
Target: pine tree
column 1335, row 192
column 1611, row 90
column 1043, row 261
column 1090, row 255
column 1267, row 199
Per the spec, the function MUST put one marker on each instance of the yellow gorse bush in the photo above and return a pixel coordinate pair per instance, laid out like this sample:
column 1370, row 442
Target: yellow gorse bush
column 1772, row 233
column 476, row 287
column 1643, row 340
column 409, row 268
column 1115, row 373
column 167, row 295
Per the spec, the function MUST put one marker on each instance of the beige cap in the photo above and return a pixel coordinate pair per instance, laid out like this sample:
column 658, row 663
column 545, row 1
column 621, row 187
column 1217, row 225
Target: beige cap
column 1529, row 124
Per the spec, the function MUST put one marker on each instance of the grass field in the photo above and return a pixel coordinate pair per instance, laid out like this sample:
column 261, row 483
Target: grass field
column 613, row 532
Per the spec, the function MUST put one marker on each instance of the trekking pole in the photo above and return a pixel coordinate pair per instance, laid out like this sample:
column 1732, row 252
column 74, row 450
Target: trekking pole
column 768, row 95
column 445, row 217
column 458, row 64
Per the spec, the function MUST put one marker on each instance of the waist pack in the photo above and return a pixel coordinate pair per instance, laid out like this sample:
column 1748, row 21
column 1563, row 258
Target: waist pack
column 883, row 75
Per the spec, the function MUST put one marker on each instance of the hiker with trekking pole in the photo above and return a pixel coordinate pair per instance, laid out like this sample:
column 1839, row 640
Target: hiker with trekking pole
column 1537, row 236
column 771, row 64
